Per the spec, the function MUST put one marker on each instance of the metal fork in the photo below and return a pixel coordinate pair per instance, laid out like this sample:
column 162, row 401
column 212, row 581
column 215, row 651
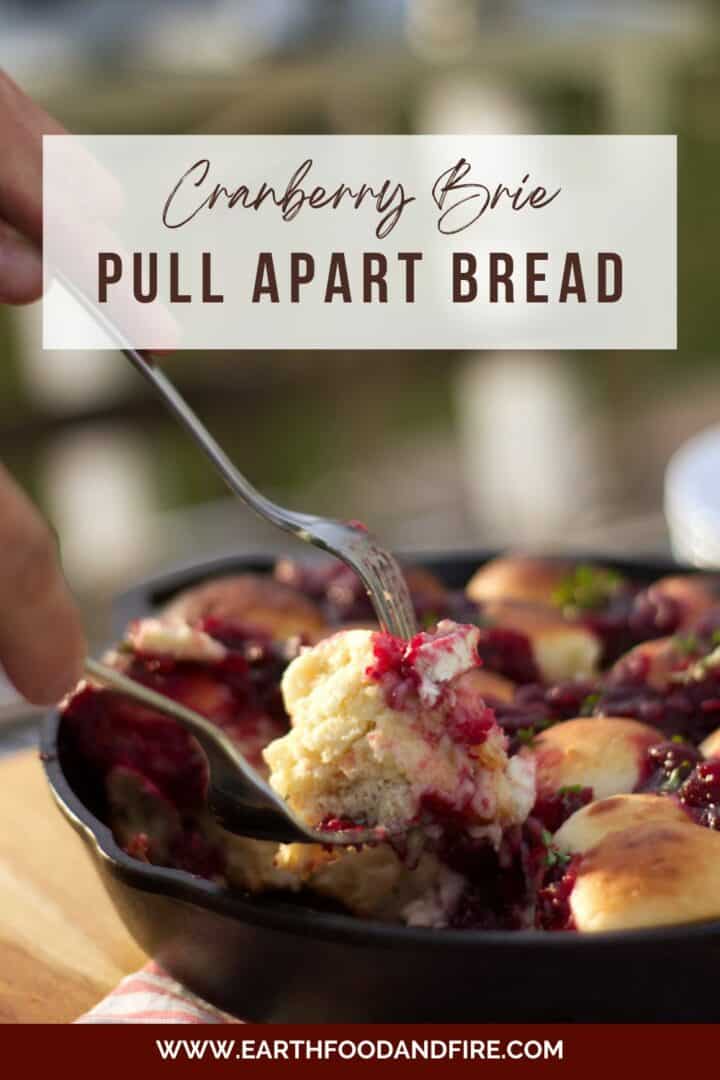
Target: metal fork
column 354, row 545
column 237, row 795
column 351, row 543
column 348, row 541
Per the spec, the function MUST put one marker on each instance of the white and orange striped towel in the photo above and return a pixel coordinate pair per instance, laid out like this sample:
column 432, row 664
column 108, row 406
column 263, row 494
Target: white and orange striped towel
column 151, row 996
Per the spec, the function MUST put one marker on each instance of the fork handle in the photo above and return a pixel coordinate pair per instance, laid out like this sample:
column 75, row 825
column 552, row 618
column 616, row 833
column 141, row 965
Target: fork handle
column 192, row 423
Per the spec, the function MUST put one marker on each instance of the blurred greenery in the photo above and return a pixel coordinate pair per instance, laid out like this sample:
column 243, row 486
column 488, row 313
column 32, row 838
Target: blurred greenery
column 298, row 420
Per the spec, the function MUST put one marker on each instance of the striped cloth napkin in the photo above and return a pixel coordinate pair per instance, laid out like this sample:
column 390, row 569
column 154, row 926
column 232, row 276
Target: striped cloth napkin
column 151, row 996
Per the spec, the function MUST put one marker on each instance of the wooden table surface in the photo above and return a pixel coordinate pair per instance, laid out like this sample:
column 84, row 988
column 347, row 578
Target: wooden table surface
column 62, row 946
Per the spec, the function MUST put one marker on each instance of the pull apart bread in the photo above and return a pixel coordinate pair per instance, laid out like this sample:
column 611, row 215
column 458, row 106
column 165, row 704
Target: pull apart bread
column 544, row 754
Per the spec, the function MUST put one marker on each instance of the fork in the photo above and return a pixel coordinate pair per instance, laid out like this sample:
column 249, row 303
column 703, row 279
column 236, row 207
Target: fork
column 352, row 543
column 348, row 541
column 238, row 796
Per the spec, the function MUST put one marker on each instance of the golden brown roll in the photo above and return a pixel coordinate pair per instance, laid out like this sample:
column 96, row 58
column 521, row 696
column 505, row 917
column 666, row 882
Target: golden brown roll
column 605, row 753
column 424, row 585
column 561, row 649
column 657, row 660
column 648, row 875
column 485, row 684
column 254, row 600
column 591, row 824
column 694, row 593
column 518, row 577
column 710, row 747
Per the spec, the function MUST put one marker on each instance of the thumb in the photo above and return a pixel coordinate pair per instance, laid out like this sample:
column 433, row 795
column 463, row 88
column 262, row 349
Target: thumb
column 20, row 268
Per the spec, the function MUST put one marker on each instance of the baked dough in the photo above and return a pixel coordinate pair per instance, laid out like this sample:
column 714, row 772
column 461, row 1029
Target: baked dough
column 525, row 578
column 648, row 875
column 254, row 600
column 605, row 753
column 561, row 649
column 694, row 593
column 352, row 754
column 592, row 823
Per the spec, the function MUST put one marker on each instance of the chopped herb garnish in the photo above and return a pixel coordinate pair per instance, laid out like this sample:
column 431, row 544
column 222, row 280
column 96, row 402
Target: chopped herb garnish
column 553, row 857
column 699, row 670
column 687, row 644
column 715, row 639
column 571, row 789
column 430, row 620
column 588, row 704
column 587, row 587
column 676, row 778
column 526, row 735
column 677, row 738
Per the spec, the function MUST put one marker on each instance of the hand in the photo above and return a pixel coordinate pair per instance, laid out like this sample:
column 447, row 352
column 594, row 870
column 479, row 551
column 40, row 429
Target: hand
column 42, row 645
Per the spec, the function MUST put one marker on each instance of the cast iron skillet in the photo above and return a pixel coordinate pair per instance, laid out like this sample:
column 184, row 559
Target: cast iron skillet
column 277, row 959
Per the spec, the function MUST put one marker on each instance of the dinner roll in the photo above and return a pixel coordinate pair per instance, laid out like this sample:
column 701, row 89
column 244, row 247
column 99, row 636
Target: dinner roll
column 648, row 875
column 518, row 577
column 252, row 600
column 484, row 684
column 561, row 649
column 653, row 662
column 378, row 734
column 374, row 882
column 605, row 753
column 710, row 747
column 592, row 823
column 694, row 593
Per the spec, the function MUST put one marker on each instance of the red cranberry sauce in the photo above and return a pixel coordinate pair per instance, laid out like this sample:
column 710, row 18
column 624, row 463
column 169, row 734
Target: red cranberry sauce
column 553, row 903
column 667, row 765
column 690, row 709
column 396, row 666
column 700, row 794
column 470, row 722
column 553, row 810
column 631, row 616
column 109, row 731
column 500, row 884
column 509, row 653
column 536, row 707
column 339, row 824
column 241, row 694
column 678, row 769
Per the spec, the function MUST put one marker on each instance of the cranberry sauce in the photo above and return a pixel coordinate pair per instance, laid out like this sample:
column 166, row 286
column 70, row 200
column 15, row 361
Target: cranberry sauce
column 240, row 693
column 677, row 769
column 110, row 731
column 553, row 810
column 688, row 708
column 630, row 617
column 667, row 765
column 398, row 667
column 509, row 653
column 536, row 707
column 619, row 613
column 553, row 903
column 700, row 794
column 501, row 885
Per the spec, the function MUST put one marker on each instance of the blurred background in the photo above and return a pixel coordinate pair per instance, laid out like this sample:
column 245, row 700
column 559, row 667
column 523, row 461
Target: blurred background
column 430, row 449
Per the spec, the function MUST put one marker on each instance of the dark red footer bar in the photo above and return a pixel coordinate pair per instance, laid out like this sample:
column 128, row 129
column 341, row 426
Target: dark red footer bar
column 612, row 1051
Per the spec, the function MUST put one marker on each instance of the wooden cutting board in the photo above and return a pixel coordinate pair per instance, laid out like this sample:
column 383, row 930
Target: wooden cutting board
column 62, row 947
